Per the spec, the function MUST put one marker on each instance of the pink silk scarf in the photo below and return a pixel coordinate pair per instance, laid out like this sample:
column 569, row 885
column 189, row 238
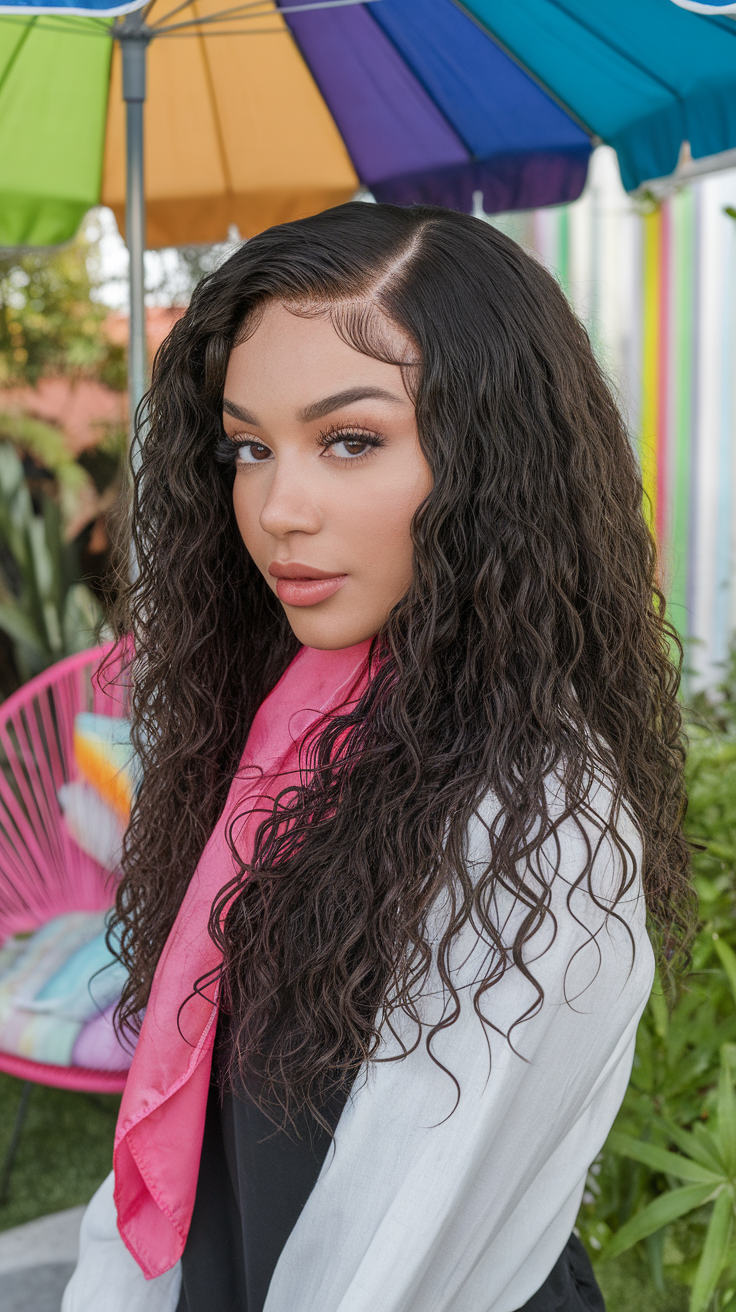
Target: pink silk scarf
column 158, row 1139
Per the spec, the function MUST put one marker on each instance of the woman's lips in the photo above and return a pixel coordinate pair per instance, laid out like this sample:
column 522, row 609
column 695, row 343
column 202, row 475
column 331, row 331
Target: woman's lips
column 307, row 592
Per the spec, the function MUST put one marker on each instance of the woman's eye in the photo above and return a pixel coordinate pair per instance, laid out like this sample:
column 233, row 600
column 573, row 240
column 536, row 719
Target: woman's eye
column 349, row 447
column 253, row 453
column 341, row 444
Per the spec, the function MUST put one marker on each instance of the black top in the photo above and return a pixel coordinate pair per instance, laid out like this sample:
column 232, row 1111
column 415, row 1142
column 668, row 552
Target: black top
column 253, row 1183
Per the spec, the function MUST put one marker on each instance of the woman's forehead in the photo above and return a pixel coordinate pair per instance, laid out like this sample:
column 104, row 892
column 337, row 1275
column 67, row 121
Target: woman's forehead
column 303, row 360
column 360, row 322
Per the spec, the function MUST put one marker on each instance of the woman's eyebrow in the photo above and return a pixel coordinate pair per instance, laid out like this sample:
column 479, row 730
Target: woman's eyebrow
column 237, row 412
column 318, row 409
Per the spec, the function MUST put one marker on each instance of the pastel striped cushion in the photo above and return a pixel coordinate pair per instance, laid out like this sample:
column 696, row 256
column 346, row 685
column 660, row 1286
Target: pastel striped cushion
column 55, row 985
column 106, row 758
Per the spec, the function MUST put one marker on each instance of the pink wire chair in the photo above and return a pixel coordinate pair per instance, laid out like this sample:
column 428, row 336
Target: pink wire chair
column 43, row 873
column 42, row 870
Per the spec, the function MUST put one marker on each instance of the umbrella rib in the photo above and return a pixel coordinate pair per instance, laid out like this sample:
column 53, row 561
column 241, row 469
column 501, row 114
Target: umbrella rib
column 186, row 4
column 322, row 4
column 230, row 32
column 12, row 61
column 233, row 15
column 625, row 54
column 68, row 26
column 224, row 163
column 241, row 31
column 171, row 13
column 488, row 32
column 265, row 8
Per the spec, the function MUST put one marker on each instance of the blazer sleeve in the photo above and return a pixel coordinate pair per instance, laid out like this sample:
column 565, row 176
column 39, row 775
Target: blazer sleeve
column 107, row 1278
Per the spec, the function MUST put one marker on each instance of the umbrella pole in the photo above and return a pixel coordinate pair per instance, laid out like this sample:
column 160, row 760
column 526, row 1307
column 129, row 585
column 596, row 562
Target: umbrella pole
column 134, row 36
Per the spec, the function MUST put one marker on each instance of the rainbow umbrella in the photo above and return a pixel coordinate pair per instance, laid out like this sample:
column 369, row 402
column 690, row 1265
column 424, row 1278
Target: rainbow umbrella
column 269, row 109
column 264, row 110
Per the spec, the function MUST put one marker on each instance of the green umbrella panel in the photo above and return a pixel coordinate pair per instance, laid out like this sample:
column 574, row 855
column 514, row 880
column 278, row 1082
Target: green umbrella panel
column 48, row 189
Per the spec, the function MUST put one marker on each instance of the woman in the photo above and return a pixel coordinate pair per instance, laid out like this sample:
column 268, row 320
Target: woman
column 412, row 781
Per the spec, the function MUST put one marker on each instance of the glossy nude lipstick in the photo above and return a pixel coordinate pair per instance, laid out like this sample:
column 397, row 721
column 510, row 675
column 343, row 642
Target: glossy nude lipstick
column 301, row 585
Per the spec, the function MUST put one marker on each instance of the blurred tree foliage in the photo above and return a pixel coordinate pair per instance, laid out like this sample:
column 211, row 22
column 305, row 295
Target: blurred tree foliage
column 50, row 322
column 666, row 1179
column 172, row 274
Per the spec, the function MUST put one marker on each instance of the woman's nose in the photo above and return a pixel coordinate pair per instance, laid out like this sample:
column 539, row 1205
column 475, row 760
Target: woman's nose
column 288, row 507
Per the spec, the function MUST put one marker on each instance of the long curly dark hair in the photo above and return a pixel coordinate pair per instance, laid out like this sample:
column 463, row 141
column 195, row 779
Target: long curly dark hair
column 532, row 642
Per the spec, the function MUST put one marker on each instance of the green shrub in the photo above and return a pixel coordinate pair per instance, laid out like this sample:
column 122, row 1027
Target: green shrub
column 666, row 1180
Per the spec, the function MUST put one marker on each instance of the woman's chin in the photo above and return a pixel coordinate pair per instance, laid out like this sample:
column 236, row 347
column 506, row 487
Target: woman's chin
column 330, row 629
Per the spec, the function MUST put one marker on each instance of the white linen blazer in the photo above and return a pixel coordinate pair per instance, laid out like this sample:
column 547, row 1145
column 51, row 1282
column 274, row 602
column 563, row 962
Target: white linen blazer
column 430, row 1204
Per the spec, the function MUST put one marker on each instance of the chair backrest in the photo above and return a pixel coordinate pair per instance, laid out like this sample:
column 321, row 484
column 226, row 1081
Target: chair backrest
column 43, row 872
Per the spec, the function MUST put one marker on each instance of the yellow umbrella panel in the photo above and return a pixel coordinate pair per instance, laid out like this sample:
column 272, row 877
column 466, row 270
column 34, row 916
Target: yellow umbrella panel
column 236, row 132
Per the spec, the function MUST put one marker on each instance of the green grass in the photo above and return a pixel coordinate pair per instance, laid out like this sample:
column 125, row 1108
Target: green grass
column 65, row 1151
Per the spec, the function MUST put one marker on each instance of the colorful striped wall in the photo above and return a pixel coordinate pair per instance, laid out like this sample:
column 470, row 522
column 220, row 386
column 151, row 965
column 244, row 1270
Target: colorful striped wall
column 655, row 283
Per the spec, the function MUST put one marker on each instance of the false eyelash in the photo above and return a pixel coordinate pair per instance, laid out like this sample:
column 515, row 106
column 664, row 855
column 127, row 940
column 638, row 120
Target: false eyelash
column 347, row 431
column 226, row 450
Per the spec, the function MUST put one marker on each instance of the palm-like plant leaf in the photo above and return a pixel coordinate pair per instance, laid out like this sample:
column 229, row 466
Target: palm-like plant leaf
column 699, row 1145
column 45, row 612
column 18, row 625
column 668, row 1207
column 725, row 1133
column 684, row 1168
column 715, row 1252
column 727, row 958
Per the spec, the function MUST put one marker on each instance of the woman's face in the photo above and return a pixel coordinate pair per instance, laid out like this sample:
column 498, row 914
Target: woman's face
column 329, row 473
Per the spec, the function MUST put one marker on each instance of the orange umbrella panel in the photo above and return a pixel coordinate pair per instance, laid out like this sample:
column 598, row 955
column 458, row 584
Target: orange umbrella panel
column 236, row 132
